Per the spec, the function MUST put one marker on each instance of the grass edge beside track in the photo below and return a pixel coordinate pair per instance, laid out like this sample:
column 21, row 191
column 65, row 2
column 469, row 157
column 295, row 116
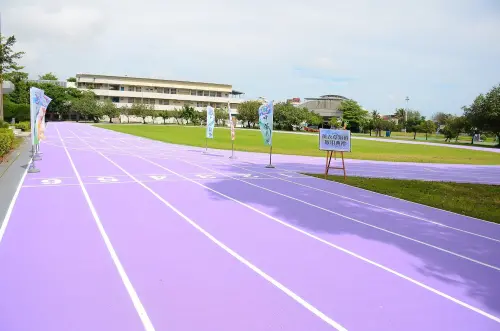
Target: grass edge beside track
column 475, row 200
column 306, row 145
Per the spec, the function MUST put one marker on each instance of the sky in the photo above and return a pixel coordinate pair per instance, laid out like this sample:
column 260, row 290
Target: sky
column 439, row 53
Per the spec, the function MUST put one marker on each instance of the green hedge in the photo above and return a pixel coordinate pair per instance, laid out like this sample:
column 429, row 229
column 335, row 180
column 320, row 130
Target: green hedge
column 20, row 112
column 6, row 141
column 24, row 126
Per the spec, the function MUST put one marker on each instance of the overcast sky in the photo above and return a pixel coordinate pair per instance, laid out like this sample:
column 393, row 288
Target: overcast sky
column 441, row 53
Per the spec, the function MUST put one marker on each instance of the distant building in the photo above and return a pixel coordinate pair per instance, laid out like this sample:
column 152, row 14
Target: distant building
column 326, row 106
column 294, row 101
column 163, row 94
column 392, row 118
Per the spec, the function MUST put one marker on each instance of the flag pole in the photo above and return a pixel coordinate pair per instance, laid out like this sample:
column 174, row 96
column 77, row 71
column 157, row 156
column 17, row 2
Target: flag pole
column 270, row 165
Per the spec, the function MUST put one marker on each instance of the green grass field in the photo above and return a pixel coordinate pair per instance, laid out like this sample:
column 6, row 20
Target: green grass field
column 476, row 200
column 285, row 143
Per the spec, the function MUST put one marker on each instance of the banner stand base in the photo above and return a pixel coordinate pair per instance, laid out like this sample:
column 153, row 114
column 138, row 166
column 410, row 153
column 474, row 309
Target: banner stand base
column 270, row 166
column 32, row 169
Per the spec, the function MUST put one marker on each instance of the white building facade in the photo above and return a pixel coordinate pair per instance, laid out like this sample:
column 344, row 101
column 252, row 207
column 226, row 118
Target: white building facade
column 163, row 94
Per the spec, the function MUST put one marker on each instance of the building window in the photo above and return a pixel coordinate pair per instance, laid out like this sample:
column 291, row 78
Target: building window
column 173, row 91
column 193, row 92
column 122, row 88
column 219, row 94
column 166, row 90
column 130, row 100
column 166, row 102
column 159, row 90
column 206, row 93
column 131, row 88
column 212, row 94
column 199, row 93
column 138, row 89
column 199, row 104
column 115, row 99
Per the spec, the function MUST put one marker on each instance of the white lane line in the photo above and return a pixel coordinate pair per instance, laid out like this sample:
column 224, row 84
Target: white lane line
column 394, row 272
column 351, row 218
column 146, row 322
column 240, row 258
column 6, row 219
column 365, row 203
column 388, row 196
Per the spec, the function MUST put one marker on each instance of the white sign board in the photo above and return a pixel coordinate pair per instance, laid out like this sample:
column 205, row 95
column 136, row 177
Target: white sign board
column 335, row 140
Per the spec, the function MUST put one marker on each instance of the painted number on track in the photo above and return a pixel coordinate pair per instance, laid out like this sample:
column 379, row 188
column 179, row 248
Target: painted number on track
column 158, row 177
column 107, row 179
column 51, row 181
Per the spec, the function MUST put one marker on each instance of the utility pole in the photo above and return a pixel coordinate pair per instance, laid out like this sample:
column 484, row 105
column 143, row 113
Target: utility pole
column 406, row 111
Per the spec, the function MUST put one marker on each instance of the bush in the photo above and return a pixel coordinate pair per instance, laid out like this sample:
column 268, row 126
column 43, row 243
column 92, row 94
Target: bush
column 21, row 112
column 24, row 126
column 6, row 141
column 4, row 125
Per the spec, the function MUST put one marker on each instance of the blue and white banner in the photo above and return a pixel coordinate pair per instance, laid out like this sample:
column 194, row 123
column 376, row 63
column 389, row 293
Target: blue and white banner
column 266, row 122
column 210, row 122
column 36, row 102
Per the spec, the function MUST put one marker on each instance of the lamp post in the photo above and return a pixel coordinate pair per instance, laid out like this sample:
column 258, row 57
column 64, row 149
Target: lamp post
column 406, row 112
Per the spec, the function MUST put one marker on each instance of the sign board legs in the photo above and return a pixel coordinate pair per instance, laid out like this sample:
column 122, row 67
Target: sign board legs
column 329, row 155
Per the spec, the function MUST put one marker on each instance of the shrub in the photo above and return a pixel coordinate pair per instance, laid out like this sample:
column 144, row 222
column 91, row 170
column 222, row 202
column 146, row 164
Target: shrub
column 6, row 141
column 21, row 112
column 24, row 126
column 4, row 125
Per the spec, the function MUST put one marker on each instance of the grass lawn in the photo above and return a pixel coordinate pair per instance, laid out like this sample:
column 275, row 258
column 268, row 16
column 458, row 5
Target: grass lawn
column 285, row 143
column 476, row 200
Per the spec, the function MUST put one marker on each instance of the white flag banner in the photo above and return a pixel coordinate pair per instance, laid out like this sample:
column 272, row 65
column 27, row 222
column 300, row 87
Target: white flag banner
column 210, row 122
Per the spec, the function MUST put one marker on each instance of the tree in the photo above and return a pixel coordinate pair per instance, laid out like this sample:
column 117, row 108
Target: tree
column 248, row 112
column 109, row 109
column 165, row 114
column 71, row 79
column 314, row 119
column 87, row 107
column 188, row 113
column 427, row 127
column 454, row 126
column 140, row 109
column 221, row 116
column 20, row 95
column 400, row 114
column 176, row 113
column 353, row 114
column 8, row 63
column 377, row 123
column 414, row 121
column 125, row 111
column 48, row 76
column 440, row 118
column 484, row 113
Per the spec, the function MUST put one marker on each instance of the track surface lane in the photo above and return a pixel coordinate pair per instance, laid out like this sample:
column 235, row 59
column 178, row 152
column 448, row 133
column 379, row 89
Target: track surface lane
column 55, row 271
column 187, row 282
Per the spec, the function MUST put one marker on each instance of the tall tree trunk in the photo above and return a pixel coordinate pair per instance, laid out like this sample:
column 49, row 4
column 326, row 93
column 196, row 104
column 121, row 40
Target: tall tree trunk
column 472, row 140
column 370, row 133
column 426, row 136
column 415, row 135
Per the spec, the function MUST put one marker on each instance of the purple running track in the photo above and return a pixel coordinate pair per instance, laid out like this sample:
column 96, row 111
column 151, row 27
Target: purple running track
column 209, row 243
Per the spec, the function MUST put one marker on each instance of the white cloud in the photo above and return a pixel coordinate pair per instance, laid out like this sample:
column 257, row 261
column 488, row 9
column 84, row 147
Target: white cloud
column 442, row 53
